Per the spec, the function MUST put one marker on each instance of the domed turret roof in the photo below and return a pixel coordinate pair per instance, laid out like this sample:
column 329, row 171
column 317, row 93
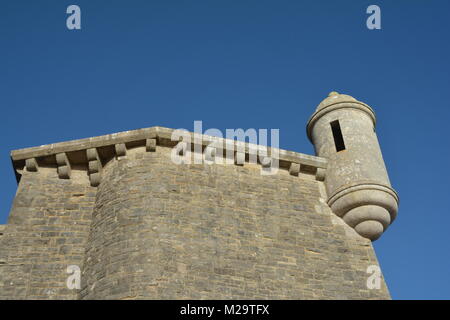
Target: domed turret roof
column 336, row 101
column 333, row 98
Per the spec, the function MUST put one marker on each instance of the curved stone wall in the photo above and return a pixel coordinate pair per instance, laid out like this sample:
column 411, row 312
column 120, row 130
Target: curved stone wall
column 166, row 231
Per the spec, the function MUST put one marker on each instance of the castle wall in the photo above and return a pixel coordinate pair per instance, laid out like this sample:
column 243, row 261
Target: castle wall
column 46, row 232
column 166, row 231
column 142, row 227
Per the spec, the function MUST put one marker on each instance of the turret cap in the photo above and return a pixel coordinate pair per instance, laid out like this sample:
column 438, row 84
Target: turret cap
column 333, row 98
column 336, row 101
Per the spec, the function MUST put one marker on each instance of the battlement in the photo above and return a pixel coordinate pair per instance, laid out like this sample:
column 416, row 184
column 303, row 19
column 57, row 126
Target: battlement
column 91, row 154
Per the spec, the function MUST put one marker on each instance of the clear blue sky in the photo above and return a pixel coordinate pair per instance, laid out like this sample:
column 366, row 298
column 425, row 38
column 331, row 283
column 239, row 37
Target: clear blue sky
column 245, row 64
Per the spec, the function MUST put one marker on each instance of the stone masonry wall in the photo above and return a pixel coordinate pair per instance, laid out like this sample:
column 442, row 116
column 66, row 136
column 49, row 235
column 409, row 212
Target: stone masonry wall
column 47, row 231
column 166, row 231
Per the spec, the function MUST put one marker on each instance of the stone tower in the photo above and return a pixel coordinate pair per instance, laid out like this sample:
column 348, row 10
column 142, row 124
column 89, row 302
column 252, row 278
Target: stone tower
column 343, row 130
column 136, row 225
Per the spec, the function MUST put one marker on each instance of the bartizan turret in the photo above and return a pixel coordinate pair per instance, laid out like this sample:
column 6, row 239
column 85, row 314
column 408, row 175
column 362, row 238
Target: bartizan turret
column 342, row 130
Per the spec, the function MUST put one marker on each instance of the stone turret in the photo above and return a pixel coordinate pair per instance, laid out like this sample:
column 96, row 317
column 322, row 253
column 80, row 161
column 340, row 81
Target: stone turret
column 342, row 130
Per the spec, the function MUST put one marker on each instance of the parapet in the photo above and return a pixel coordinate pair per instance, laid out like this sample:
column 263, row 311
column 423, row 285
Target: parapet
column 91, row 154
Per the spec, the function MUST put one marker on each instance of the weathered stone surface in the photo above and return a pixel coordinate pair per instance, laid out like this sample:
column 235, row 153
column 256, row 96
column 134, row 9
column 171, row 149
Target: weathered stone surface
column 166, row 231
column 161, row 230
column 356, row 177
column 47, row 230
column 140, row 226
column 64, row 167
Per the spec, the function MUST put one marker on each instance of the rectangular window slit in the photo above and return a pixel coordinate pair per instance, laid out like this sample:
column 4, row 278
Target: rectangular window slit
column 337, row 135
